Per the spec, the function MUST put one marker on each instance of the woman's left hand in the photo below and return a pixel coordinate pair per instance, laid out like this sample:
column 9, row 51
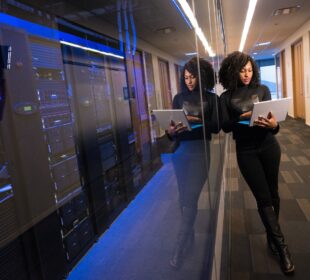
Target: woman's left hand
column 194, row 119
column 269, row 122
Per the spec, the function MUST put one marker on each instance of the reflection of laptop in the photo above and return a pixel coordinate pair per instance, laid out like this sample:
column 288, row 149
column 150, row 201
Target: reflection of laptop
column 164, row 117
column 278, row 107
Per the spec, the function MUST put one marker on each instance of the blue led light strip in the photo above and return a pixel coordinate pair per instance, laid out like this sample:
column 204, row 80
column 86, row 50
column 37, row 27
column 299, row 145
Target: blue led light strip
column 59, row 36
column 182, row 14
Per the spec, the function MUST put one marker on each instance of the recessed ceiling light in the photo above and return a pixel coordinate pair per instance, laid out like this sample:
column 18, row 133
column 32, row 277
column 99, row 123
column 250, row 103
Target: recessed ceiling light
column 286, row 11
column 263, row 44
column 165, row 30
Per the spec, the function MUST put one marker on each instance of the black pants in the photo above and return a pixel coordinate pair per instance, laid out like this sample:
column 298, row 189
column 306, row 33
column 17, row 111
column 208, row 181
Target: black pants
column 191, row 165
column 259, row 164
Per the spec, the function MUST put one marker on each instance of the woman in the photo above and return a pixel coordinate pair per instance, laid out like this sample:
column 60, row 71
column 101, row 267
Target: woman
column 191, row 159
column 258, row 152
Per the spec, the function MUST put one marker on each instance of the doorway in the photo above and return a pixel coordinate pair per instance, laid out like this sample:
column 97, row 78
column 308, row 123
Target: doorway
column 165, row 86
column 298, row 78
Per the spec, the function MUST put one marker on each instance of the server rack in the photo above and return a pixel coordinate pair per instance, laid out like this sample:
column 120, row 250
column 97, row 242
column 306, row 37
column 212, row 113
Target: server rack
column 84, row 164
column 100, row 128
column 58, row 130
column 29, row 200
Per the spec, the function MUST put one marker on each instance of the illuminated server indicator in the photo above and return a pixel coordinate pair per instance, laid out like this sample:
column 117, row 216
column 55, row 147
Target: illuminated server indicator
column 26, row 108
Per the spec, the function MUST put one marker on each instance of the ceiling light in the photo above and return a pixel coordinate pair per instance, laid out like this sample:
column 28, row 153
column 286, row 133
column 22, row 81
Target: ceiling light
column 263, row 44
column 247, row 23
column 191, row 17
column 286, row 11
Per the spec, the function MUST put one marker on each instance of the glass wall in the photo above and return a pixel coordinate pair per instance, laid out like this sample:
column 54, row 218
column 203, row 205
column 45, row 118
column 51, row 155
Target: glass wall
column 98, row 175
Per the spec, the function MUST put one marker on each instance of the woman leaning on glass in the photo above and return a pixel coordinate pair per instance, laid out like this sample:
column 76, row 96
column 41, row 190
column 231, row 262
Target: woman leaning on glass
column 258, row 152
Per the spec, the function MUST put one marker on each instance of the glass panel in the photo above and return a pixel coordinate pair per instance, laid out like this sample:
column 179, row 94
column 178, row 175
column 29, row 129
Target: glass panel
column 85, row 79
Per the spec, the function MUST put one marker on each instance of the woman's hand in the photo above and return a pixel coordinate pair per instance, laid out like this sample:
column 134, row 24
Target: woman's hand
column 193, row 119
column 175, row 128
column 269, row 122
column 245, row 116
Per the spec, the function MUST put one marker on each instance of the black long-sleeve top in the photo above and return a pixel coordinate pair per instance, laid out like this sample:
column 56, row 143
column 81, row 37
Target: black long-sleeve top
column 234, row 103
column 190, row 102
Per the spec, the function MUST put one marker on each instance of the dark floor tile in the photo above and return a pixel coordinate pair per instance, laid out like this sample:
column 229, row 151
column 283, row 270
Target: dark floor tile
column 268, row 276
column 290, row 210
column 297, row 236
column 253, row 222
column 240, row 253
column 302, row 262
column 300, row 190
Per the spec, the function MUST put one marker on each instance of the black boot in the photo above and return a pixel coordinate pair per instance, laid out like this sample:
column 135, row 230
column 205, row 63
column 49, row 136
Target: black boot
column 272, row 226
column 276, row 206
column 185, row 232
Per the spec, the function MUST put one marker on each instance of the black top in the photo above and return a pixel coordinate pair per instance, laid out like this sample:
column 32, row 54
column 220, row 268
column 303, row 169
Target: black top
column 190, row 102
column 233, row 104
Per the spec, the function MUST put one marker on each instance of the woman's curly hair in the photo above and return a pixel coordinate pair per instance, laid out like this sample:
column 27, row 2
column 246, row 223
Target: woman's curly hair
column 206, row 73
column 229, row 74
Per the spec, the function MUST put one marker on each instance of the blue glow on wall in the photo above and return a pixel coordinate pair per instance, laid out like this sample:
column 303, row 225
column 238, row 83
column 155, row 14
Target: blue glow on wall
column 53, row 34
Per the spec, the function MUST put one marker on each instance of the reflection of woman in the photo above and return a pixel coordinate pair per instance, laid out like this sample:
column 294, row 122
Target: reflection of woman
column 191, row 160
column 258, row 152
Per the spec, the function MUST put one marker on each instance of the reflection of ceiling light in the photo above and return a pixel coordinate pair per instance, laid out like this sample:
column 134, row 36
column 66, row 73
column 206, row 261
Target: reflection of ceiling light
column 191, row 17
column 165, row 30
column 90, row 49
column 263, row 44
column 99, row 11
column 254, row 53
column 286, row 11
column 247, row 23
column 190, row 53
column 85, row 14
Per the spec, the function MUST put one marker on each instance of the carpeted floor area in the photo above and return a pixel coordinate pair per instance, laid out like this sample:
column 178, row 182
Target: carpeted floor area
column 248, row 257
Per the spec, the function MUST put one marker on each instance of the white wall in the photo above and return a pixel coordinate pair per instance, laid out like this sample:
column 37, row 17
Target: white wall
column 303, row 33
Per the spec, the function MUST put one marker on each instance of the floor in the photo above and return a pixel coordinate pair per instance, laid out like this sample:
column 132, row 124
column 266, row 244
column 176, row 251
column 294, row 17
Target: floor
column 141, row 241
column 249, row 258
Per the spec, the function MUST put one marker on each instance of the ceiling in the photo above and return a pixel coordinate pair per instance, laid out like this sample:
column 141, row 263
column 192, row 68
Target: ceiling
column 265, row 27
column 159, row 23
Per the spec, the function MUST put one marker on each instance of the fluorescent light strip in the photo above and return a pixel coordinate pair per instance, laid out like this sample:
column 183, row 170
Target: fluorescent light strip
column 247, row 23
column 90, row 49
column 189, row 13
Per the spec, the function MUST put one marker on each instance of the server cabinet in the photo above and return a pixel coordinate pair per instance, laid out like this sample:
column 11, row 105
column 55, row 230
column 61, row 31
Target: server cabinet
column 87, row 76
column 38, row 152
column 30, row 195
column 58, row 129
